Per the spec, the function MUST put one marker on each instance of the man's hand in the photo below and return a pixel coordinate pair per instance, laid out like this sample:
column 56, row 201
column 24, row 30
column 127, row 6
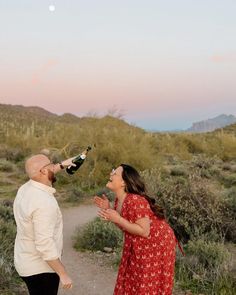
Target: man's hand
column 66, row 281
column 103, row 202
column 59, row 268
column 68, row 162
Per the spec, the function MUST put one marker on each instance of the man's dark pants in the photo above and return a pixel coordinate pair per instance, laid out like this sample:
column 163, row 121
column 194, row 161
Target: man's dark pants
column 42, row 284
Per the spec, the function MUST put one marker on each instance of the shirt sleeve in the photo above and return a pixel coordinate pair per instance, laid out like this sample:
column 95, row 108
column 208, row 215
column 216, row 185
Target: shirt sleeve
column 139, row 208
column 44, row 222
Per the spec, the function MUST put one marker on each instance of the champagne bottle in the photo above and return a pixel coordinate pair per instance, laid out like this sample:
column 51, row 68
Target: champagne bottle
column 78, row 160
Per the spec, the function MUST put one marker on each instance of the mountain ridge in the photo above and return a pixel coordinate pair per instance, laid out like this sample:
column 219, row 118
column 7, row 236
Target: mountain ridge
column 212, row 124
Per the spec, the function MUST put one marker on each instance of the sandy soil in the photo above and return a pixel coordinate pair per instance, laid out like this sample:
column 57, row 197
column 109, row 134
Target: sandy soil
column 89, row 278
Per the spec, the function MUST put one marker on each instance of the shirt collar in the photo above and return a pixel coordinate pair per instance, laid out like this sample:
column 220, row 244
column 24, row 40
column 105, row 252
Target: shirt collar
column 43, row 187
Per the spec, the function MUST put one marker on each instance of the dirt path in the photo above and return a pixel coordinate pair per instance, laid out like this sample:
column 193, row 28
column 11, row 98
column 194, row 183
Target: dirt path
column 88, row 277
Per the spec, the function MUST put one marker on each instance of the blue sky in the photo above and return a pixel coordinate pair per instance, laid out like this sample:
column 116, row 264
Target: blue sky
column 164, row 64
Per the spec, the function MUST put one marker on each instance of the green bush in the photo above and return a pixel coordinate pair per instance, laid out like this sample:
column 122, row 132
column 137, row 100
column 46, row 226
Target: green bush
column 205, row 269
column 202, row 161
column 6, row 166
column 75, row 195
column 191, row 207
column 9, row 279
column 14, row 154
column 6, row 212
column 109, row 194
column 229, row 180
column 98, row 234
column 178, row 171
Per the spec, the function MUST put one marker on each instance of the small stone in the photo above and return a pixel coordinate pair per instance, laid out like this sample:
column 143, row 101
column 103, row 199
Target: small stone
column 107, row 249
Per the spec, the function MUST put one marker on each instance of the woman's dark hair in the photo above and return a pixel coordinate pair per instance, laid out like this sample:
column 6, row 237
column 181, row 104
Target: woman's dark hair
column 135, row 185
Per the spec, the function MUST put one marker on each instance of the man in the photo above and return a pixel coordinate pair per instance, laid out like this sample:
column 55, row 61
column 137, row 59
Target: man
column 38, row 244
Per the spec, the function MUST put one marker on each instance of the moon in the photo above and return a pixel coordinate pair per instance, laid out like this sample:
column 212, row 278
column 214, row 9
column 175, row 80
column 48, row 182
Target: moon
column 51, row 8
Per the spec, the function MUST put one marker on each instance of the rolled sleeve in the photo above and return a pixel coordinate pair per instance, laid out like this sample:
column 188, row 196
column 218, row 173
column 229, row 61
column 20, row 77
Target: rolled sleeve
column 44, row 221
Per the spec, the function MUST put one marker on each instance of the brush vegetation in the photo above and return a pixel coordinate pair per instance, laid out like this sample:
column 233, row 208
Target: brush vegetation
column 192, row 175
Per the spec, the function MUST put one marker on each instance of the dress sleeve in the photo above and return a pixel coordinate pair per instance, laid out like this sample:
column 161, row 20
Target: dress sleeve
column 139, row 208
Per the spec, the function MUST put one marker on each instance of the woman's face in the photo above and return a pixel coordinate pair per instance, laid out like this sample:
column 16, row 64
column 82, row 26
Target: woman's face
column 116, row 181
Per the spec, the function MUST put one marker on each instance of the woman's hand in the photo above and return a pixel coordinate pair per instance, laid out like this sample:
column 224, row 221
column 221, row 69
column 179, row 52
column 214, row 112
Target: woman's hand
column 110, row 215
column 103, row 202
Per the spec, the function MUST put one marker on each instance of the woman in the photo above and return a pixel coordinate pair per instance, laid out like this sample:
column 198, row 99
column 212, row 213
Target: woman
column 148, row 259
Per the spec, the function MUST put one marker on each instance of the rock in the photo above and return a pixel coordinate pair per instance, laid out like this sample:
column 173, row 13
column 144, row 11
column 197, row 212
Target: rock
column 107, row 249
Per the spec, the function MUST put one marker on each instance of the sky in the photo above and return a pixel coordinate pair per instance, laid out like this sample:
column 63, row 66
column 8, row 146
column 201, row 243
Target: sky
column 162, row 64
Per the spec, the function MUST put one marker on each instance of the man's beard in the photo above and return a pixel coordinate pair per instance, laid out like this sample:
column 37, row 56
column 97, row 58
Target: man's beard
column 51, row 177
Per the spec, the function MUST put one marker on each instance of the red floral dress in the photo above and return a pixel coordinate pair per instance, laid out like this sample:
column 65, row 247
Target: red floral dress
column 147, row 264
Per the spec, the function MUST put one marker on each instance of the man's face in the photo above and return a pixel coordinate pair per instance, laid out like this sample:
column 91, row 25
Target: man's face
column 51, row 176
column 50, row 172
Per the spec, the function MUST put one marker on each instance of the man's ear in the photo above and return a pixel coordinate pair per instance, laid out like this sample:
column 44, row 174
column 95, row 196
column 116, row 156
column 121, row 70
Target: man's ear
column 43, row 171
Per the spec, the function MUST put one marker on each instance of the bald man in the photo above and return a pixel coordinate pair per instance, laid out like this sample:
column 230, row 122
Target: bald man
column 38, row 243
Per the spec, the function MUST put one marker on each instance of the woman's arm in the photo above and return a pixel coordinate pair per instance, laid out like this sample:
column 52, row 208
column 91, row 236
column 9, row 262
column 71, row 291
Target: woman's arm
column 141, row 227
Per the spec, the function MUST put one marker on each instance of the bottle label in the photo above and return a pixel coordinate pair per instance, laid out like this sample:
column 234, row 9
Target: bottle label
column 82, row 156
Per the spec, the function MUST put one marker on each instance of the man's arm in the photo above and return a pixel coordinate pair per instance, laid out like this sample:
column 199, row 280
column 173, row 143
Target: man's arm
column 66, row 163
column 44, row 219
column 59, row 268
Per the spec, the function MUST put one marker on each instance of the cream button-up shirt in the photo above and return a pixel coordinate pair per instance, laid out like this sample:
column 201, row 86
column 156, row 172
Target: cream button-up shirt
column 39, row 228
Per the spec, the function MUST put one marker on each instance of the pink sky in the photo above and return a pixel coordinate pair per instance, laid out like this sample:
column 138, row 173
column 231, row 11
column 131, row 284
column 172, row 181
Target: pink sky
column 163, row 68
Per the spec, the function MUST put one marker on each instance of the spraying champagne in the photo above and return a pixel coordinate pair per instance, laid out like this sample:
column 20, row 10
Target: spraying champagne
column 78, row 161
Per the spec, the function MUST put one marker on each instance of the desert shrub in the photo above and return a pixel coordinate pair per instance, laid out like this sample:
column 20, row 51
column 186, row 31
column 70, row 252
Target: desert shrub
column 214, row 171
column 63, row 179
column 202, row 161
column 228, row 179
column 109, row 194
column 191, row 208
column 233, row 168
column 230, row 203
column 231, row 193
column 194, row 143
column 15, row 154
column 98, row 234
column 75, row 195
column 6, row 212
column 205, row 268
column 226, row 167
column 6, row 166
column 178, row 171
column 205, row 173
column 9, row 279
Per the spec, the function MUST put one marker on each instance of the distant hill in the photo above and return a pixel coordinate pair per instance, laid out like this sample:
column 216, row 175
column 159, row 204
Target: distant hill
column 18, row 115
column 8, row 108
column 230, row 129
column 212, row 124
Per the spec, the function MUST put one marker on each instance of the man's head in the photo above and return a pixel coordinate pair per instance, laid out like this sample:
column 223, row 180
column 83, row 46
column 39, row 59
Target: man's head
column 40, row 168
